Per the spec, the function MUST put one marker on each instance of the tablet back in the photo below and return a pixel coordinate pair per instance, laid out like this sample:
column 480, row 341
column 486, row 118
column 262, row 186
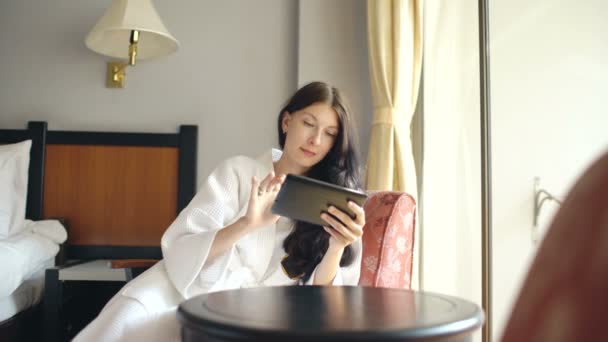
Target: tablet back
column 302, row 198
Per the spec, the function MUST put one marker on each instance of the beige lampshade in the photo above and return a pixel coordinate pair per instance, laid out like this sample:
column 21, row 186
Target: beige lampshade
column 110, row 36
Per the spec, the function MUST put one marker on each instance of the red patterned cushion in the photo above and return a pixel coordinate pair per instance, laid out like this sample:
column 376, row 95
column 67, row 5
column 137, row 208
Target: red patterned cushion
column 388, row 240
column 565, row 295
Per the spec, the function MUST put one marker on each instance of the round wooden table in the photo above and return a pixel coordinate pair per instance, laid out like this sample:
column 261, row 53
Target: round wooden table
column 327, row 313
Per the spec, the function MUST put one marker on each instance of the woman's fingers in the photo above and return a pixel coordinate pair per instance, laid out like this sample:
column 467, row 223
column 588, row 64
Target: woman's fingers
column 254, row 188
column 273, row 185
column 343, row 228
column 353, row 226
column 340, row 215
column 276, row 182
column 264, row 184
column 335, row 235
column 359, row 212
column 339, row 227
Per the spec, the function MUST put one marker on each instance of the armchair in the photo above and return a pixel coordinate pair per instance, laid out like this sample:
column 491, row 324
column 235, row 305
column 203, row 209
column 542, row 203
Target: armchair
column 388, row 240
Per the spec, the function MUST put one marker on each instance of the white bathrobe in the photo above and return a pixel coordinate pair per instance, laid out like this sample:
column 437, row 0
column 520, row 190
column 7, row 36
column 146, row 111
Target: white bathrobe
column 145, row 308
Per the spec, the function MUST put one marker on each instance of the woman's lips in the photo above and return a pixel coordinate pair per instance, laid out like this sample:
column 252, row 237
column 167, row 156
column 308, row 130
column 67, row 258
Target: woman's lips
column 307, row 152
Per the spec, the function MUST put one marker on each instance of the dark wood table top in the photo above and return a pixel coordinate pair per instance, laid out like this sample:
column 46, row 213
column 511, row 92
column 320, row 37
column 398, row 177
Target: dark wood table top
column 328, row 313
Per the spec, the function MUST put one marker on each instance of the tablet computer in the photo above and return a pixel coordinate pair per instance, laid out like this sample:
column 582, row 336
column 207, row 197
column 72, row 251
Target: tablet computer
column 304, row 199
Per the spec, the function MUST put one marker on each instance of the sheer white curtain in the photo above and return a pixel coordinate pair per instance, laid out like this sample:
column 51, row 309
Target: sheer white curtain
column 451, row 200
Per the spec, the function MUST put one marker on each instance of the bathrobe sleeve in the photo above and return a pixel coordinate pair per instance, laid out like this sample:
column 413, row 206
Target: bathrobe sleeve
column 187, row 241
column 348, row 275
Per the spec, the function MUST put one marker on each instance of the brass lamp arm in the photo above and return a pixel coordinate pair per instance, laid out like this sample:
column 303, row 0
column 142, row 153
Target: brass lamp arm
column 116, row 70
column 134, row 39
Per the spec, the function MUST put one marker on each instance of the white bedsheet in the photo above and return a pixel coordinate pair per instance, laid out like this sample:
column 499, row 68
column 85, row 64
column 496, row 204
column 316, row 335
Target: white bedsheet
column 28, row 252
column 26, row 295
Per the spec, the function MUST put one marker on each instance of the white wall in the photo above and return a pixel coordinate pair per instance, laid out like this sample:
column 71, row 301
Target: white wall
column 333, row 47
column 549, row 69
column 236, row 66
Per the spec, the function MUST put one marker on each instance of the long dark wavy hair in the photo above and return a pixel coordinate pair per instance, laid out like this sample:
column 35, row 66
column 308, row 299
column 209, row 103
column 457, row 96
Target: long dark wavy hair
column 307, row 243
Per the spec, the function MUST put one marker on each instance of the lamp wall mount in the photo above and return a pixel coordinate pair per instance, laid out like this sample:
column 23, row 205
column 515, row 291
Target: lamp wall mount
column 115, row 75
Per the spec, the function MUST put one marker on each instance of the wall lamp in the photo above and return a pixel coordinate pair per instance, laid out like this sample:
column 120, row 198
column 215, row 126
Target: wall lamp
column 129, row 30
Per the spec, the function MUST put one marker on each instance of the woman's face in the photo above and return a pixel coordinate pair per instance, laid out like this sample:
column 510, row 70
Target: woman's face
column 310, row 133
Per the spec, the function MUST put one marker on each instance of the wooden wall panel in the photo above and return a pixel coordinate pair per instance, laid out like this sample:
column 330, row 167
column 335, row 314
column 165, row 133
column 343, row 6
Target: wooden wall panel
column 112, row 195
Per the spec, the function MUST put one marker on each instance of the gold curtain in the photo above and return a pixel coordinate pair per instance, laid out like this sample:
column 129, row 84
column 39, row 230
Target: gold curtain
column 394, row 31
column 395, row 55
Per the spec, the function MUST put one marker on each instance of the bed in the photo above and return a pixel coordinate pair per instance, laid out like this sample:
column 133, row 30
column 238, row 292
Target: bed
column 25, row 252
column 117, row 192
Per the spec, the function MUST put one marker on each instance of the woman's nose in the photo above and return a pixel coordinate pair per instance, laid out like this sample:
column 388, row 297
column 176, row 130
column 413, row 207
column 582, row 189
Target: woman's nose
column 315, row 139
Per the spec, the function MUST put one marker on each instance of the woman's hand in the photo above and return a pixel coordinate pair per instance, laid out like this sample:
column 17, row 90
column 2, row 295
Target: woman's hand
column 344, row 230
column 261, row 199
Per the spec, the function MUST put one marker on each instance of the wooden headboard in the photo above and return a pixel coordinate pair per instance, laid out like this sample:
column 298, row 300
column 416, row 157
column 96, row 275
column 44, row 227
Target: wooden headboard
column 118, row 192
column 36, row 131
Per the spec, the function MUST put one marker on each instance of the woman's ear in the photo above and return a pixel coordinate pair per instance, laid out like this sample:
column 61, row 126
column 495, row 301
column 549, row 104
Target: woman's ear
column 285, row 121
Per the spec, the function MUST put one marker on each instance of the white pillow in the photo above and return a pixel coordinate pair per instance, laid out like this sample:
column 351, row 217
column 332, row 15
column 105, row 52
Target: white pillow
column 14, row 164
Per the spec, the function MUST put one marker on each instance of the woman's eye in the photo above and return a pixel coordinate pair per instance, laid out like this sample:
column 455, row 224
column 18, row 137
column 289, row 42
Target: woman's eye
column 333, row 135
column 308, row 124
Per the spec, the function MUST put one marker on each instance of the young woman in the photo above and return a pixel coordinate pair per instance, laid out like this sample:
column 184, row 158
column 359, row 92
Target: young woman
column 228, row 238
